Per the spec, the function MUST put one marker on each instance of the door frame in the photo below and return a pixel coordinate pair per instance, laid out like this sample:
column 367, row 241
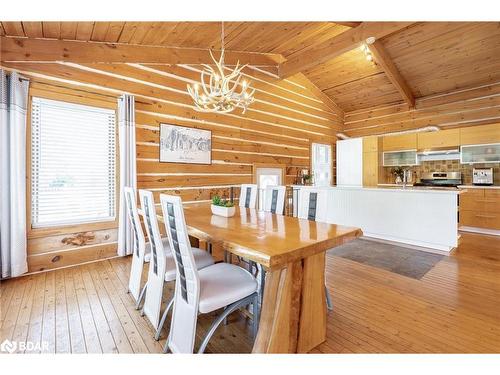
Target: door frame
column 268, row 165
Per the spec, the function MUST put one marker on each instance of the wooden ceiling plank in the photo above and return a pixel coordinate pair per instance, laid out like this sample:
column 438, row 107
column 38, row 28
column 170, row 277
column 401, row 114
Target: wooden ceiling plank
column 13, row 28
column 338, row 45
column 68, row 30
column 33, row 29
column 51, row 29
column 114, row 31
column 140, row 32
column 99, row 32
column 2, row 31
column 384, row 60
column 43, row 50
column 320, row 95
column 84, row 30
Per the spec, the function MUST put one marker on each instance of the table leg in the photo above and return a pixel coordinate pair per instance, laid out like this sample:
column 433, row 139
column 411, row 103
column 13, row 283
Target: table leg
column 312, row 326
column 293, row 315
column 280, row 314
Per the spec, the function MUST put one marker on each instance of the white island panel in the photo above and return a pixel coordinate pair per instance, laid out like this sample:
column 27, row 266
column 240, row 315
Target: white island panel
column 425, row 218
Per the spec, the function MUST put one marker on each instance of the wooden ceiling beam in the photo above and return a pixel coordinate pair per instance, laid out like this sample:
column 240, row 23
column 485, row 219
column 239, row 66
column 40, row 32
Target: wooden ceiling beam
column 14, row 49
column 338, row 45
column 391, row 71
column 348, row 24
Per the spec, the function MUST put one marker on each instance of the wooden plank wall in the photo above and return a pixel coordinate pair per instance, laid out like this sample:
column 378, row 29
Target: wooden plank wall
column 477, row 105
column 277, row 129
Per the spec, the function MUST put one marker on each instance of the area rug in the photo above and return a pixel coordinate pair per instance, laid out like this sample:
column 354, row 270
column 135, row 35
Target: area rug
column 401, row 260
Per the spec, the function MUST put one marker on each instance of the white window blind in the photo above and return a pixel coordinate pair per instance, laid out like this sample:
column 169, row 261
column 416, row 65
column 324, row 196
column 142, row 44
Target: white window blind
column 73, row 152
column 322, row 164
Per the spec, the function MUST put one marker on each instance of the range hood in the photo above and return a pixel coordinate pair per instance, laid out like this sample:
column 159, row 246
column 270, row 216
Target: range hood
column 429, row 155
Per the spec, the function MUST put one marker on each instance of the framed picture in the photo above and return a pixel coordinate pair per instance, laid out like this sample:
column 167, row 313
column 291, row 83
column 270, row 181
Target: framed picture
column 179, row 144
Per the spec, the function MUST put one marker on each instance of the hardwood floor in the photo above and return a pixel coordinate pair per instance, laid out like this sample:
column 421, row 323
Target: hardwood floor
column 454, row 308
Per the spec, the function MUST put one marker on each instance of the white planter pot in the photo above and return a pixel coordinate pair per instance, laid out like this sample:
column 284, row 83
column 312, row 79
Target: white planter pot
column 223, row 211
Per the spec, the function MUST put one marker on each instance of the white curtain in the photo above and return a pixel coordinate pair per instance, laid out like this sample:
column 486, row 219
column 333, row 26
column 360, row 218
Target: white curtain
column 128, row 176
column 13, row 105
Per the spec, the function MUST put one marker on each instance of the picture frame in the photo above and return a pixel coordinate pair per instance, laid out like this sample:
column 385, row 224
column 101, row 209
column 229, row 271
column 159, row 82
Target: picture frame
column 180, row 144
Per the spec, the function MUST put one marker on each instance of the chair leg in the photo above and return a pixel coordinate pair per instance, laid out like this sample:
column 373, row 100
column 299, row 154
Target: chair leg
column 256, row 316
column 163, row 318
column 328, row 299
column 141, row 296
column 228, row 310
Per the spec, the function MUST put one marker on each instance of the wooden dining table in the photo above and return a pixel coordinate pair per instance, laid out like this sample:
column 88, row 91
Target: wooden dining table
column 292, row 251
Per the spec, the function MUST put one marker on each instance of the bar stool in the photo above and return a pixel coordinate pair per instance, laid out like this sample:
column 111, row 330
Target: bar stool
column 142, row 250
column 312, row 206
column 220, row 285
column 162, row 265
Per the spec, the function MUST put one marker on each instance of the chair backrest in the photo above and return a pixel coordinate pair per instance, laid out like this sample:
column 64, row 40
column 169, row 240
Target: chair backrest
column 248, row 196
column 133, row 215
column 274, row 199
column 187, row 286
column 312, row 204
column 158, row 262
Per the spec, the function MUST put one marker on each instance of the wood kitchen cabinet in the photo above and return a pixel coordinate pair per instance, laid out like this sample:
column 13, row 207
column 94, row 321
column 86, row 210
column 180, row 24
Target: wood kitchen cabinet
column 476, row 135
column 438, row 139
column 370, row 168
column 480, row 208
column 371, row 160
column 400, row 142
column 371, row 144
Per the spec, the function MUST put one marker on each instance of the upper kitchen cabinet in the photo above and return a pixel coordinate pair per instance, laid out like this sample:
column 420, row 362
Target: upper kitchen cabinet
column 438, row 139
column 371, row 144
column 476, row 135
column 400, row 142
column 487, row 153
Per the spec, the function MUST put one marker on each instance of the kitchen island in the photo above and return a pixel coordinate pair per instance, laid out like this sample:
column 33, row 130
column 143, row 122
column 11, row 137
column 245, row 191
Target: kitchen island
column 416, row 216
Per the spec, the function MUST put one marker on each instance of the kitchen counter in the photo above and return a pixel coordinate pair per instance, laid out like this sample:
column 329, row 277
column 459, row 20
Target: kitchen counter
column 479, row 187
column 418, row 216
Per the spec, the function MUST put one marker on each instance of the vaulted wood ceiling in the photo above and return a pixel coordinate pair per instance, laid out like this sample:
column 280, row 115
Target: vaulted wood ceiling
column 431, row 57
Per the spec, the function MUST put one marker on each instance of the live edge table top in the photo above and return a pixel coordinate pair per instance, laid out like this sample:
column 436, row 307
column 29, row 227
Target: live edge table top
column 265, row 238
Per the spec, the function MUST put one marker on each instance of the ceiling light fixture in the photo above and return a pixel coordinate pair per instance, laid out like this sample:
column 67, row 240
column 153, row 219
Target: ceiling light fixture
column 366, row 49
column 220, row 94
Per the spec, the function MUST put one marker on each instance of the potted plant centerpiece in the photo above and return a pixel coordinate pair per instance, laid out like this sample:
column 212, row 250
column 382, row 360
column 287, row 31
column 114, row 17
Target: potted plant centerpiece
column 222, row 207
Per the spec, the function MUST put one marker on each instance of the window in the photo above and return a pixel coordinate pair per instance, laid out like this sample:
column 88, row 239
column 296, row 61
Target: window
column 322, row 164
column 72, row 163
column 267, row 177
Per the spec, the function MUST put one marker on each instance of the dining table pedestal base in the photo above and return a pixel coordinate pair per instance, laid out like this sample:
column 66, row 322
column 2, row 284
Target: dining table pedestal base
column 293, row 316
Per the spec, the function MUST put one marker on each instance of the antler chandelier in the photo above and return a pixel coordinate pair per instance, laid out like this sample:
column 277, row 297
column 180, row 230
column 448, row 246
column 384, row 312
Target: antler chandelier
column 220, row 94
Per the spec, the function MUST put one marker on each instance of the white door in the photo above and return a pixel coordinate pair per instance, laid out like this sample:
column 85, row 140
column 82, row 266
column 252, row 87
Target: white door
column 267, row 177
column 322, row 164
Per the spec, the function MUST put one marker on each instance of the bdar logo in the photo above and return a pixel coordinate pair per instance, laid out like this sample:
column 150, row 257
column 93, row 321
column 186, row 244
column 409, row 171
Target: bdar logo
column 8, row 346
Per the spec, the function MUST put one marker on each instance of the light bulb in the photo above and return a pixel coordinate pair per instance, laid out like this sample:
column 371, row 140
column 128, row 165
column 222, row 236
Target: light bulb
column 244, row 84
column 363, row 47
column 196, row 87
column 369, row 57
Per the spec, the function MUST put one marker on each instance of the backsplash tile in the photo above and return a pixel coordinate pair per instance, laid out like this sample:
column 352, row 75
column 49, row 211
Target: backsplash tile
column 446, row 166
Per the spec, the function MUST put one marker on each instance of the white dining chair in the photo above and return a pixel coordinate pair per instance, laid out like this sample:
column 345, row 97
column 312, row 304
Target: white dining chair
column 162, row 265
column 312, row 205
column 274, row 199
column 139, row 254
column 248, row 196
column 220, row 285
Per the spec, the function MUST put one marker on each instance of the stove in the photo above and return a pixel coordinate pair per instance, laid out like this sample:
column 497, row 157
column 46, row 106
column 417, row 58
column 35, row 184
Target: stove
column 440, row 179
